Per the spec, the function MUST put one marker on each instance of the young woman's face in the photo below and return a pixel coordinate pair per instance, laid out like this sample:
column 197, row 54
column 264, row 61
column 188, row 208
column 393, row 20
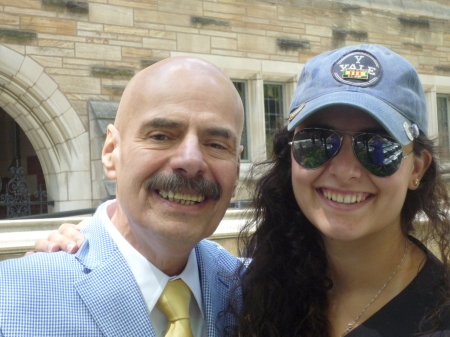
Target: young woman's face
column 341, row 198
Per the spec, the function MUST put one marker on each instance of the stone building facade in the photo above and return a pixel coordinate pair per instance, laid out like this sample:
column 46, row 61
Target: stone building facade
column 64, row 65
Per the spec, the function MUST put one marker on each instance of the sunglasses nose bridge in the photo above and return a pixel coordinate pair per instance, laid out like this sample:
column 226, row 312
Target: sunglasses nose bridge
column 346, row 142
column 345, row 164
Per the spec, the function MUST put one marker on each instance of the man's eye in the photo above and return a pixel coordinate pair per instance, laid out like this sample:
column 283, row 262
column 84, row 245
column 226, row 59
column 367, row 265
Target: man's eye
column 159, row 137
column 217, row 146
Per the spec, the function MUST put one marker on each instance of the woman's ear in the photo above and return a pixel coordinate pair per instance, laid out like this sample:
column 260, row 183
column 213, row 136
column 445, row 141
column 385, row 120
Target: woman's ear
column 110, row 150
column 421, row 164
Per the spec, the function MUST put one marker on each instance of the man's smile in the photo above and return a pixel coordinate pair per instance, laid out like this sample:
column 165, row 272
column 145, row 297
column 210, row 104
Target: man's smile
column 181, row 198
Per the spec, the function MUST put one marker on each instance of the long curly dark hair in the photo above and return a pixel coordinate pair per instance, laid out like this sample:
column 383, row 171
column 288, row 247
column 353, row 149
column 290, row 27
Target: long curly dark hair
column 285, row 286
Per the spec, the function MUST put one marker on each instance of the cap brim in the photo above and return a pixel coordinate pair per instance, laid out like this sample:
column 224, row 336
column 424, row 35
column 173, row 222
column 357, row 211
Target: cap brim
column 391, row 119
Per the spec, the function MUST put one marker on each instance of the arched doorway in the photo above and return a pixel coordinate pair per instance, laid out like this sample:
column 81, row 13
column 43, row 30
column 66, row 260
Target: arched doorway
column 19, row 161
column 52, row 126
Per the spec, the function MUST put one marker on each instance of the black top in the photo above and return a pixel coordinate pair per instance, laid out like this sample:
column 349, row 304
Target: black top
column 401, row 316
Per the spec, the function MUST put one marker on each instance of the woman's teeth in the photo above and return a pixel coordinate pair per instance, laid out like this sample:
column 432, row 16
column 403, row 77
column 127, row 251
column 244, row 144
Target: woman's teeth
column 344, row 198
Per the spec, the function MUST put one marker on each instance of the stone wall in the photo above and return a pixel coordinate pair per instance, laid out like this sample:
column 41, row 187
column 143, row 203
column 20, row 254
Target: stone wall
column 92, row 49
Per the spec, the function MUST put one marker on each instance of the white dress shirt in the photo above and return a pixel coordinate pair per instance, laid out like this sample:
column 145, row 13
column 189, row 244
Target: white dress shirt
column 152, row 281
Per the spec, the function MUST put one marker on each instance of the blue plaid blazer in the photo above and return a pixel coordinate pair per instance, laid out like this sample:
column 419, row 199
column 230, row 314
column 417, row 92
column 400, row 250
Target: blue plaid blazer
column 94, row 293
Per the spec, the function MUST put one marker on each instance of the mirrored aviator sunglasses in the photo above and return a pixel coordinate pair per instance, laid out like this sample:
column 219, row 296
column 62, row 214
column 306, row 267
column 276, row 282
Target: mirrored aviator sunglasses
column 381, row 155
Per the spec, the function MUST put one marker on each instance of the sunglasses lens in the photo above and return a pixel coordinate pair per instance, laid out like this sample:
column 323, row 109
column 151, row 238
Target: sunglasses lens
column 380, row 155
column 312, row 148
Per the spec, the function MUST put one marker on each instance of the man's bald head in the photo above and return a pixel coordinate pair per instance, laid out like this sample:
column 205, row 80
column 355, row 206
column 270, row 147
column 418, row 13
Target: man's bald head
column 173, row 76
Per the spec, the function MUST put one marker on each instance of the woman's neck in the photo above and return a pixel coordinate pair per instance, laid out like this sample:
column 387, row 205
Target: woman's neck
column 366, row 275
column 363, row 261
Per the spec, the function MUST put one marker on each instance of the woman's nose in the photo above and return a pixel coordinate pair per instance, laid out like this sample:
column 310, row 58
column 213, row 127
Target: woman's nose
column 344, row 165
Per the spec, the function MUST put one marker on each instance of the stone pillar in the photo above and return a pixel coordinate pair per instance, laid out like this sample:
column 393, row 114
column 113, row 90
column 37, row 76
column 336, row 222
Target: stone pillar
column 256, row 123
column 430, row 96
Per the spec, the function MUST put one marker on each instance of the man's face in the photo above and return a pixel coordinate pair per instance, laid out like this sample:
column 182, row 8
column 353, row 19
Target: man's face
column 183, row 131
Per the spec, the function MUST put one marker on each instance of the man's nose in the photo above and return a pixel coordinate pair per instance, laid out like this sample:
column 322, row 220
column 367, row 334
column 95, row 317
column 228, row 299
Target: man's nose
column 345, row 166
column 188, row 158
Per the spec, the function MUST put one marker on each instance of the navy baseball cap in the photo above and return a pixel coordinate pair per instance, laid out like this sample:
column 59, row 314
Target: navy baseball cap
column 368, row 77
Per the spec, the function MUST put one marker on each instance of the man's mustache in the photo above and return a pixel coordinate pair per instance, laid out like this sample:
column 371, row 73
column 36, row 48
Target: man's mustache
column 179, row 183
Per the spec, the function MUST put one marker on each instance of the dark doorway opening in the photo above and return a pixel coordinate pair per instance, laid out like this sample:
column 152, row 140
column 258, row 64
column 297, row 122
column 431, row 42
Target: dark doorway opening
column 17, row 152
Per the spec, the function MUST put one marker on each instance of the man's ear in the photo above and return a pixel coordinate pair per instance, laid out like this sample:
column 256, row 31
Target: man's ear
column 421, row 164
column 110, row 152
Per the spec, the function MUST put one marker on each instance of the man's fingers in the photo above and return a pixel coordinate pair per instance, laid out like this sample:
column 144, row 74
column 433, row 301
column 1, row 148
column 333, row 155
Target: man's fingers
column 68, row 229
column 59, row 242
column 72, row 233
column 43, row 245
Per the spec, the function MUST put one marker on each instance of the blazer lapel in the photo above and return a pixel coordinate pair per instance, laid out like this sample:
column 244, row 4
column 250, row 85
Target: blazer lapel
column 108, row 288
column 217, row 279
column 113, row 298
column 206, row 279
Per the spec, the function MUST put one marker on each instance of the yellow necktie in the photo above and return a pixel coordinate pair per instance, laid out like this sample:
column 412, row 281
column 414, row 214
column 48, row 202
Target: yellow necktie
column 174, row 303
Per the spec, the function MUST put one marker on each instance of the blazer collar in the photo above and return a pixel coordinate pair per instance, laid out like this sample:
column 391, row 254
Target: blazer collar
column 108, row 288
column 218, row 281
